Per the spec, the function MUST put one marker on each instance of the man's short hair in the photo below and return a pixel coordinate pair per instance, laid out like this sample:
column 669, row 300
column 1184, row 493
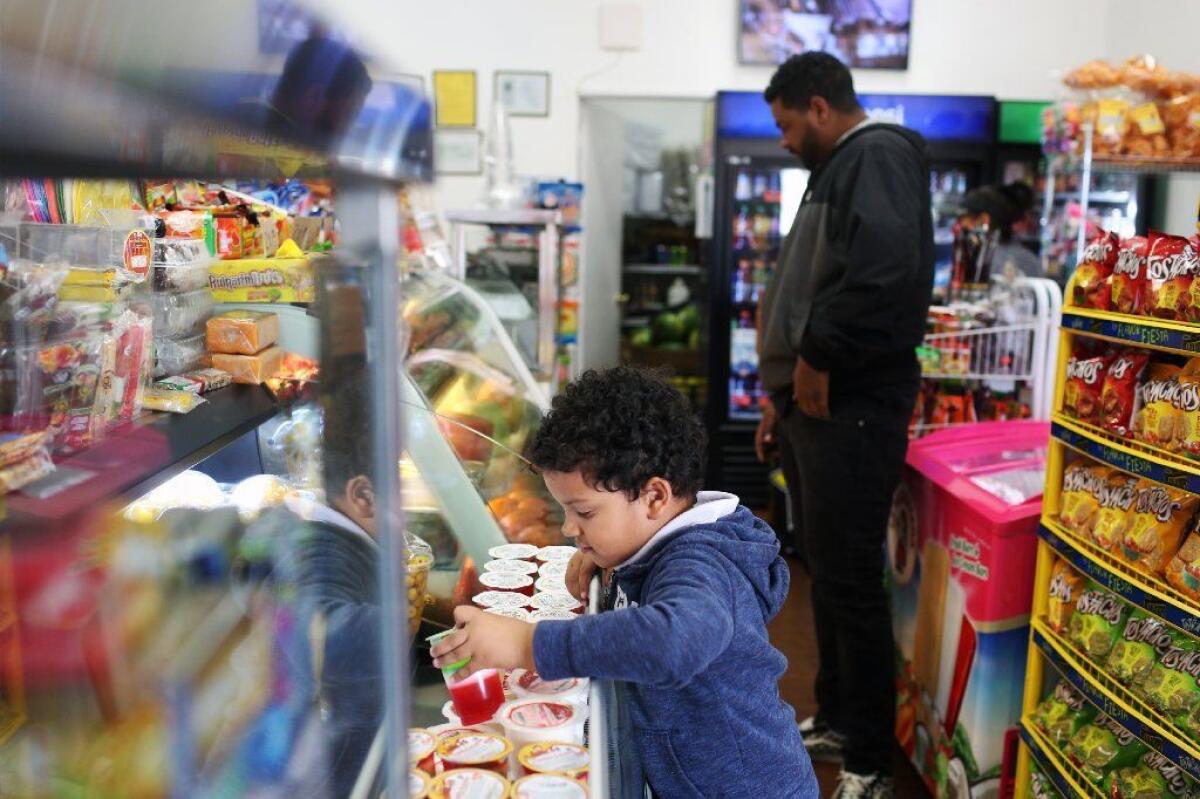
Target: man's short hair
column 814, row 74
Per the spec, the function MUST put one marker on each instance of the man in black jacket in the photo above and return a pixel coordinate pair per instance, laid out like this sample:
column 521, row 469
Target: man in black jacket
column 842, row 317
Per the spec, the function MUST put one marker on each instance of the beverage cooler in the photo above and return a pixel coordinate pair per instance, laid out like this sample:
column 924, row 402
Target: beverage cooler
column 759, row 188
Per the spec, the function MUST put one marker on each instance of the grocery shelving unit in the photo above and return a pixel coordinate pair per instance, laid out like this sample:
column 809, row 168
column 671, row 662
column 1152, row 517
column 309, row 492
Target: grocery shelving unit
column 1048, row 650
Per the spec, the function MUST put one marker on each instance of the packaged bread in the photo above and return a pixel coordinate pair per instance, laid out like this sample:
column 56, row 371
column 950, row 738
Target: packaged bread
column 1115, row 515
column 1065, row 585
column 1160, row 517
column 1158, row 406
column 1079, row 502
column 242, row 332
column 253, row 369
column 1183, row 571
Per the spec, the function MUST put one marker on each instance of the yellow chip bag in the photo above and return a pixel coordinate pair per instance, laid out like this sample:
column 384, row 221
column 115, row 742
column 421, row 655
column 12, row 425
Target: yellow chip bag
column 1183, row 572
column 1115, row 514
column 1160, row 516
column 1079, row 503
column 1156, row 420
column 1065, row 586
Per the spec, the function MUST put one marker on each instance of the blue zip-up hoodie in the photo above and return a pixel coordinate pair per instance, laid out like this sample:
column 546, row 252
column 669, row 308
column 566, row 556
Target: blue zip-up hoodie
column 689, row 637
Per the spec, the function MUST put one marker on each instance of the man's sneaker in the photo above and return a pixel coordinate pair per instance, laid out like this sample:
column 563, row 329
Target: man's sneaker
column 823, row 743
column 864, row 786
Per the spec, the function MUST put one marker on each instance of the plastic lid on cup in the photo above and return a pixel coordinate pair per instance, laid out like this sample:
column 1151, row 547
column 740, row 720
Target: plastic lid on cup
column 436, row 639
column 553, row 568
column 472, row 748
column 547, row 614
column 500, row 599
column 421, row 744
column 418, row 784
column 538, row 713
column 503, row 581
column 530, row 683
column 554, row 600
column 548, row 786
column 555, row 757
column 520, row 614
column 509, row 566
column 469, row 782
column 551, row 583
column 558, row 552
column 513, row 552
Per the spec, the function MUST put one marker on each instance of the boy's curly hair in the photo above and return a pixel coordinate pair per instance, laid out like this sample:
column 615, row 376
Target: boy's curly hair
column 620, row 427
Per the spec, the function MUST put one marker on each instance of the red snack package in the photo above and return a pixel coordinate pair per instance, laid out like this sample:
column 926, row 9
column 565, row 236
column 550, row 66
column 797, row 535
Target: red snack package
column 1086, row 371
column 1171, row 266
column 1092, row 275
column 1119, row 393
column 1129, row 276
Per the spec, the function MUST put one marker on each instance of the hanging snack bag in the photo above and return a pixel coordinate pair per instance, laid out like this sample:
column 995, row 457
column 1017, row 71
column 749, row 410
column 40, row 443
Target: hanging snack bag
column 1187, row 400
column 1119, row 393
column 1091, row 281
column 1115, row 516
column 1079, row 501
column 1171, row 266
column 1128, row 281
column 1173, row 683
column 1154, row 776
column 1065, row 586
column 1143, row 639
column 1062, row 713
column 1183, row 572
column 1158, row 411
column 1086, row 370
column 1102, row 746
column 1160, row 517
column 1097, row 622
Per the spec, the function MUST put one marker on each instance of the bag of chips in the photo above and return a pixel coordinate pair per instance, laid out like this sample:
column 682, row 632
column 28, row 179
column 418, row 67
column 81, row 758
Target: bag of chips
column 1128, row 282
column 1154, row 777
column 1102, row 746
column 1062, row 712
column 1183, row 572
column 1115, row 515
column 1160, row 517
column 1086, row 370
column 1142, row 640
column 1097, row 621
column 1187, row 400
column 1171, row 265
column 1079, row 503
column 1091, row 281
column 1190, row 722
column 1118, row 396
column 1158, row 412
column 1040, row 786
column 1065, row 585
column 1173, row 683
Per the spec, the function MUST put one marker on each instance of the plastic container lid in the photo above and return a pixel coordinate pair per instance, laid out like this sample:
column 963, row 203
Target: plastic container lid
column 539, row 714
column 469, row 783
column 559, row 552
column 547, row 614
column 554, row 600
column 473, row 748
column 550, row 584
column 421, row 744
column 418, row 784
column 553, row 568
column 500, row 581
column 554, row 757
column 500, row 599
column 548, row 786
column 513, row 552
column 509, row 566
column 520, row 614
column 529, row 683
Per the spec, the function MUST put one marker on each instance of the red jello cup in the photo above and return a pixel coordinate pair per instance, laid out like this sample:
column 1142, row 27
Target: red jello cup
column 469, row 782
column 475, row 749
column 494, row 581
column 539, row 786
column 529, row 683
column 556, row 600
column 555, row 757
column 513, row 552
column 508, row 566
column 535, row 720
column 418, row 784
column 421, row 746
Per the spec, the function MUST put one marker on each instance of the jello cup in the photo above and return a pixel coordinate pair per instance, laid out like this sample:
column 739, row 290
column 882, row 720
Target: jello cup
column 511, row 567
column 513, row 552
column 501, row 581
column 477, row 697
column 541, row 786
column 529, row 683
column 563, row 553
column 552, row 615
column 555, row 757
column 520, row 614
column 500, row 599
column 539, row 719
column 475, row 749
column 421, row 746
column 469, row 782
column 418, row 784
column 546, row 585
column 556, row 600
column 553, row 568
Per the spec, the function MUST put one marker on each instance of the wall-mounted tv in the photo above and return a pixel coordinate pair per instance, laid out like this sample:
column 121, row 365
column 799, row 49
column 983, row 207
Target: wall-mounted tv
column 865, row 34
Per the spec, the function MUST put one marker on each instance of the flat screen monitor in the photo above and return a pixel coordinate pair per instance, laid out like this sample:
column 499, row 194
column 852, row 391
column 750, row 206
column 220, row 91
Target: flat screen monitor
column 864, row 34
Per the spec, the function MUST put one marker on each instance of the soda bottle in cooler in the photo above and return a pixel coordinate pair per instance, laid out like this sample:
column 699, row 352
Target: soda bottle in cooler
column 760, row 185
column 743, row 190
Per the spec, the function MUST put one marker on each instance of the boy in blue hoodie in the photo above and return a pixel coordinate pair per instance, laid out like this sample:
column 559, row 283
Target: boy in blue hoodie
column 694, row 580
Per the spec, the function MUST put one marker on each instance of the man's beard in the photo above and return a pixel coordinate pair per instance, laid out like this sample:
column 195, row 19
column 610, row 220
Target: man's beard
column 809, row 154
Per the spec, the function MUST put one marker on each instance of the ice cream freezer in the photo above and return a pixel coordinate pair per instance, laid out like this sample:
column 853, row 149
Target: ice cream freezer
column 961, row 548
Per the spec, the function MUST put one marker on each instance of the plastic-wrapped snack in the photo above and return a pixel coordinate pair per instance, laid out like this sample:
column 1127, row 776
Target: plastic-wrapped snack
column 1095, row 74
column 1097, row 621
column 1183, row 572
column 416, row 579
column 253, row 369
column 1187, row 423
column 242, row 332
column 1062, row 713
column 1171, row 684
column 1181, row 115
column 18, row 474
column 1115, row 516
column 1154, row 777
column 175, row 356
column 1171, row 266
column 1091, row 287
column 1065, row 586
column 1142, row 641
column 208, row 379
column 16, row 447
column 170, row 401
column 1190, row 722
column 1128, row 282
column 175, row 273
column 1158, row 410
column 177, row 315
column 1102, row 746
column 1079, row 502
column 1145, row 135
column 1086, row 370
column 1040, row 786
column 1110, row 120
column 1160, row 517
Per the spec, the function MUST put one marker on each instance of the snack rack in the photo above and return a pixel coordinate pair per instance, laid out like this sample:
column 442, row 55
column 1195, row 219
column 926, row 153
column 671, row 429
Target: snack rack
column 1051, row 656
column 1016, row 350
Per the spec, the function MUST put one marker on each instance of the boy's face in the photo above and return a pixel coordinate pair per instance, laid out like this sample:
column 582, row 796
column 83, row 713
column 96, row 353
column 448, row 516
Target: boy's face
column 606, row 525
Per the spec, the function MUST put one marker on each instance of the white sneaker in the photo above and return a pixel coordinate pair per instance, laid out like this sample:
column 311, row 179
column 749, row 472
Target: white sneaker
column 864, row 786
column 824, row 744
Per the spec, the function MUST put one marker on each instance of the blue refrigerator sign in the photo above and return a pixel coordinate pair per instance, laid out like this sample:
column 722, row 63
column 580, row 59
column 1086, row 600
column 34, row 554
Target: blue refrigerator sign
column 962, row 118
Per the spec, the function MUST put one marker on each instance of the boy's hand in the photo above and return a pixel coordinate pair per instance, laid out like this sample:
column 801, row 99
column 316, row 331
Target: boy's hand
column 579, row 575
column 491, row 641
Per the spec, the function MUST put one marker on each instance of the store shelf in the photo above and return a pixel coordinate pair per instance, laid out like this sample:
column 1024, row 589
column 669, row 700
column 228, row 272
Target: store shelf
column 1066, row 779
column 1144, row 165
column 1136, row 588
column 1144, row 331
column 1127, row 455
column 137, row 458
column 1114, row 197
column 1018, row 376
column 1116, row 700
column 516, row 217
column 663, row 269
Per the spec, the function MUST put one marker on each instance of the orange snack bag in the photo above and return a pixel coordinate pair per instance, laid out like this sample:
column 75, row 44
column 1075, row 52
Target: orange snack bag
column 1091, row 280
column 242, row 332
column 253, row 369
column 1160, row 516
column 1065, row 587
column 1079, row 502
column 1171, row 267
column 1156, row 419
column 1115, row 515
column 1128, row 280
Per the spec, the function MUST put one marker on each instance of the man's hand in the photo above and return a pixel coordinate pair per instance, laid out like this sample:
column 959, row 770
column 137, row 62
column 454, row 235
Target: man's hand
column 490, row 641
column 764, row 437
column 579, row 576
column 810, row 389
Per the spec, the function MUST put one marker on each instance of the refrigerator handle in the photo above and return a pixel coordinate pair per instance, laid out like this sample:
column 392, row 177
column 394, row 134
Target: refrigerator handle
column 704, row 194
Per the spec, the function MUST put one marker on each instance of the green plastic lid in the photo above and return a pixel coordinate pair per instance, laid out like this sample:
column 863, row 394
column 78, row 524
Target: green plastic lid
column 434, row 640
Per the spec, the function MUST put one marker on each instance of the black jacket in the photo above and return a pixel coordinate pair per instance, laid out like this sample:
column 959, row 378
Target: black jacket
column 855, row 274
